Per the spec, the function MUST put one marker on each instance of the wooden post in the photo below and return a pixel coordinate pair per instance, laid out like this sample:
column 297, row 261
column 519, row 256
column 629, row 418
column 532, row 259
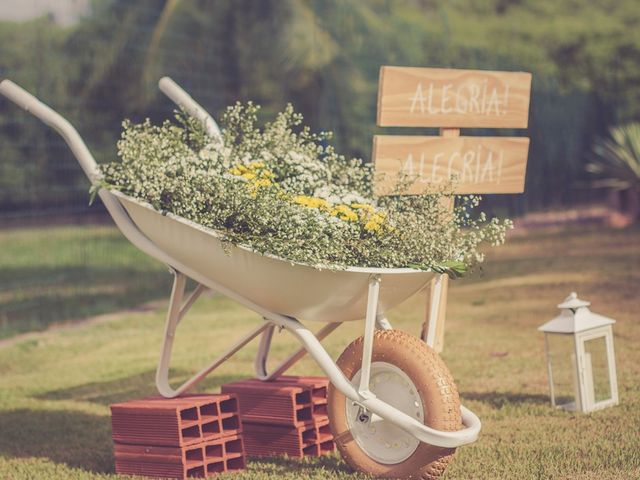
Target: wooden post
column 442, row 311
column 442, row 307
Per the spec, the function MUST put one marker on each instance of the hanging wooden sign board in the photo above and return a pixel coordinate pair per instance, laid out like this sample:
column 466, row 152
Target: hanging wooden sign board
column 464, row 164
column 440, row 97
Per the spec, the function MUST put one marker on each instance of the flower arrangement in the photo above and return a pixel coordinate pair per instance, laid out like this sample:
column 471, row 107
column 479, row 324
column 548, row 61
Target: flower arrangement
column 283, row 190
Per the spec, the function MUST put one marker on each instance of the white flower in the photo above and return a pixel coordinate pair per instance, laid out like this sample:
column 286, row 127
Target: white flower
column 258, row 210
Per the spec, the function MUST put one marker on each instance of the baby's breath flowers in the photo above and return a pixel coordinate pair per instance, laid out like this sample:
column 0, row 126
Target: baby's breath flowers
column 281, row 190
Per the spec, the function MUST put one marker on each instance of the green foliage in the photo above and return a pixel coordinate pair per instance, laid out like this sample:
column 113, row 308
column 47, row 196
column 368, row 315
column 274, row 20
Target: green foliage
column 61, row 274
column 29, row 159
column 323, row 56
column 281, row 190
column 615, row 161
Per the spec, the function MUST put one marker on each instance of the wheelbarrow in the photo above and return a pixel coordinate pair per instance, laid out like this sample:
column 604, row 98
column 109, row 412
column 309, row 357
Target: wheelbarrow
column 393, row 407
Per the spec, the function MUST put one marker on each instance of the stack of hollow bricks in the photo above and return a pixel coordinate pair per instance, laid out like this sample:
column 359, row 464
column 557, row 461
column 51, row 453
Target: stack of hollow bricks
column 189, row 436
column 284, row 416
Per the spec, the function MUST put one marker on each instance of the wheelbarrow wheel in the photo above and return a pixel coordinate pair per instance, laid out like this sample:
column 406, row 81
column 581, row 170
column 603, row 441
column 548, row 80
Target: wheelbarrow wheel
column 410, row 376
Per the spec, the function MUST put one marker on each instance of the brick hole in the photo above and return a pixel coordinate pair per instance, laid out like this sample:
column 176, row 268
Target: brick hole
column 194, row 454
column 213, row 451
column 196, row 472
column 215, row 467
column 309, row 436
column 191, row 432
column 229, row 406
column 320, row 409
column 231, row 423
column 234, row 446
column 235, row 464
column 320, row 393
column 303, row 414
column 209, row 410
column 303, row 397
column 328, row 446
column 210, row 428
column 325, row 430
column 189, row 414
column 311, row 450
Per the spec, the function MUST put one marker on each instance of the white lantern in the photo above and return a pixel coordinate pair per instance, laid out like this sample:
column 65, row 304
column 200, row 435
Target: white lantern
column 580, row 358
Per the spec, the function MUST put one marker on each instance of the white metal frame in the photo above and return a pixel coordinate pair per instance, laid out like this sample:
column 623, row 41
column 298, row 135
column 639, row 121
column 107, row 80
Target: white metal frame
column 585, row 376
column 178, row 306
column 582, row 373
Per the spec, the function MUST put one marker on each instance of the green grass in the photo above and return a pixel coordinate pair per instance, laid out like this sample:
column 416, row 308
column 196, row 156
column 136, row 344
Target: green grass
column 56, row 386
column 60, row 274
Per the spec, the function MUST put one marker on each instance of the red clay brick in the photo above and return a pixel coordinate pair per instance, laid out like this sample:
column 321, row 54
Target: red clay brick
column 225, row 454
column 319, row 387
column 313, row 439
column 287, row 400
column 175, row 422
column 269, row 402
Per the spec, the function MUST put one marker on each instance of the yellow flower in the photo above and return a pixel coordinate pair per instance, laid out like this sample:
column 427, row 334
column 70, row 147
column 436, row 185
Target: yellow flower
column 311, row 202
column 362, row 206
column 249, row 175
column 378, row 217
column 372, row 226
column 257, row 168
column 301, row 200
column 262, row 182
column 343, row 212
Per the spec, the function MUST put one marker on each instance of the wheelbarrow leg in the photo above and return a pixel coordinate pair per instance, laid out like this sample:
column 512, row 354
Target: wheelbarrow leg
column 176, row 312
column 429, row 331
column 372, row 318
column 260, row 363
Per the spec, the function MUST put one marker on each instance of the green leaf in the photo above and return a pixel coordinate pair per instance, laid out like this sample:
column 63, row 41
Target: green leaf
column 93, row 192
column 454, row 269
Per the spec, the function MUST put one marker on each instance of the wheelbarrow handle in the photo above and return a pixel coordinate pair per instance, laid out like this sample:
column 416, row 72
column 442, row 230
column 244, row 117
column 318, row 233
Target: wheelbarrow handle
column 24, row 99
column 56, row 121
column 181, row 98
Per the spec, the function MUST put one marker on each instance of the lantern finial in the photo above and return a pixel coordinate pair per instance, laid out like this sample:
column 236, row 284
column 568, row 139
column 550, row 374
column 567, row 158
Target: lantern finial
column 573, row 302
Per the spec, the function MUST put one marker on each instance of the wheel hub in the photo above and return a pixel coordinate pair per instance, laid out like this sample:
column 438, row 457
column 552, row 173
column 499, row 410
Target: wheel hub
column 380, row 439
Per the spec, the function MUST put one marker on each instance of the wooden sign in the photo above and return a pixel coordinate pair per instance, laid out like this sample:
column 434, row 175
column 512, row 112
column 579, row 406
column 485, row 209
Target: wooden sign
column 468, row 164
column 451, row 99
column 437, row 97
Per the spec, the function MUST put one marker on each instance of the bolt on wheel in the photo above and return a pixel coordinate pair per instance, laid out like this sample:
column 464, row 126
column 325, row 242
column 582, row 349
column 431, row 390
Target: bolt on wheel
column 378, row 438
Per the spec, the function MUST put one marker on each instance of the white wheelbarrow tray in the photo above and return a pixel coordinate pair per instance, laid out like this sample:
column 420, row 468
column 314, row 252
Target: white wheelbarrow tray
column 291, row 289
column 282, row 292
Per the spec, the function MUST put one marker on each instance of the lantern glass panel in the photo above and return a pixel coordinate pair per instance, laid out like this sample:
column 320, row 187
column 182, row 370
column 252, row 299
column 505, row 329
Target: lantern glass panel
column 562, row 359
column 597, row 381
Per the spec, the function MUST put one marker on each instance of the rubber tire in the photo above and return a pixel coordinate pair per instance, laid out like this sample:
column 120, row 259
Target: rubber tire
column 437, row 390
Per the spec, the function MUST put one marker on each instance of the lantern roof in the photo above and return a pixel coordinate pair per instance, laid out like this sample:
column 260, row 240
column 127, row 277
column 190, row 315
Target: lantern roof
column 575, row 317
column 572, row 301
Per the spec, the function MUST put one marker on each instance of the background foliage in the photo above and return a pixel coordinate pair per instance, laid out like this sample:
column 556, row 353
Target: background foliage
column 324, row 56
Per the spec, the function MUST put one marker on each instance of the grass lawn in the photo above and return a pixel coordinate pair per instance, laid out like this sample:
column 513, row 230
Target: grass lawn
column 56, row 386
column 58, row 274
